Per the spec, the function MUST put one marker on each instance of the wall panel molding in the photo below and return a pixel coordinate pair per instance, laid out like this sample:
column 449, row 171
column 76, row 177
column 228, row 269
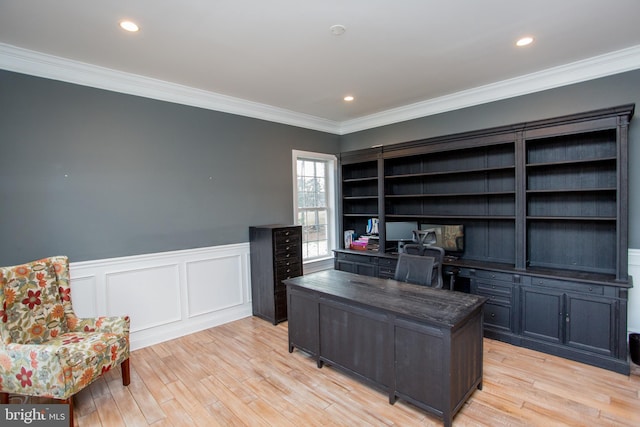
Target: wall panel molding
column 167, row 294
column 633, row 317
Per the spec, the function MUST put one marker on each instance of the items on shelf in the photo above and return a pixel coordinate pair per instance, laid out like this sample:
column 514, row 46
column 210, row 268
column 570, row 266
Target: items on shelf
column 365, row 243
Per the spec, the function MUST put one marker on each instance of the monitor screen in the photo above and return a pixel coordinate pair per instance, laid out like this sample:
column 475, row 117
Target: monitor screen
column 400, row 230
column 448, row 237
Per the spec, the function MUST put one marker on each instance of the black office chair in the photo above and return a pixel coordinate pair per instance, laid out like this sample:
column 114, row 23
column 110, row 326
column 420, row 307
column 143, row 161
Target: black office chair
column 414, row 269
column 436, row 252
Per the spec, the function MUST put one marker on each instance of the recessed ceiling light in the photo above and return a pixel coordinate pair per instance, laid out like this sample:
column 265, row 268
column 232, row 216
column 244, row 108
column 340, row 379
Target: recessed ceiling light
column 349, row 98
column 129, row 26
column 337, row 30
column 524, row 41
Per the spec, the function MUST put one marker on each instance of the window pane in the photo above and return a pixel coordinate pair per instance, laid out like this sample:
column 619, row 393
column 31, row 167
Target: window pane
column 312, row 206
column 322, row 217
column 322, row 232
column 312, row 249
column 323, row 247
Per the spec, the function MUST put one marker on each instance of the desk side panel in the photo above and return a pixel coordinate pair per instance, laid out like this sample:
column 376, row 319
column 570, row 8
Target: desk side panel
column 355, row 339
column 302, row 309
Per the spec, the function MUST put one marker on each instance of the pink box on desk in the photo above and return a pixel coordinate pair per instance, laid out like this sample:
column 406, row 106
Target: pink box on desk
column 359, row 246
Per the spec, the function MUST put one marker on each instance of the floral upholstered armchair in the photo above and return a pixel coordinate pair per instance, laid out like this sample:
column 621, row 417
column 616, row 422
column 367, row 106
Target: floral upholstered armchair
column 45, row 350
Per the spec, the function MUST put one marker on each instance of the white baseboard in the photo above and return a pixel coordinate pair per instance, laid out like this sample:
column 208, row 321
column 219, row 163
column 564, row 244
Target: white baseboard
column 169, row 294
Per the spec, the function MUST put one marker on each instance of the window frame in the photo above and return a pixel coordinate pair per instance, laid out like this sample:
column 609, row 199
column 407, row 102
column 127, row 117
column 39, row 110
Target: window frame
column 331, row 161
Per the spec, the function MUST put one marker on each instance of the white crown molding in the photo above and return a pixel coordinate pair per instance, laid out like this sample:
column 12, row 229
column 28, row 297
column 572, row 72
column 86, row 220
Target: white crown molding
column 575, row 72
column 52, row 67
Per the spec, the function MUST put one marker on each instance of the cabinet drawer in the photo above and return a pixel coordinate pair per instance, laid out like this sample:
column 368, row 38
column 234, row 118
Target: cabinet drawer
column 497, row 315
column 286, row 235
column 388, row 262
column 498, row 299
column 362, row 259
column 280, row 301
column 494, row 289
column 287, row 252
column 286, row 271
column 569, row 286
column 493, row 275
column 386, row 272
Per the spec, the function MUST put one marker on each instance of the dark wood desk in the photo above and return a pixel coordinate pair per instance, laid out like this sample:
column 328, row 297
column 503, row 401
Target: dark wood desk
column 420, row 344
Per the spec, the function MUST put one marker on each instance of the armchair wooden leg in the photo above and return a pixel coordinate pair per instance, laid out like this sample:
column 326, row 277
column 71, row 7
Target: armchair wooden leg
column 126, row 374
column 4, row 398
column 69, row 402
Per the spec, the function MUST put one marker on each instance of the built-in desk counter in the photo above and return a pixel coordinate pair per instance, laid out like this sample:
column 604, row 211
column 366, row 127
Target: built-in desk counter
column 420, row 344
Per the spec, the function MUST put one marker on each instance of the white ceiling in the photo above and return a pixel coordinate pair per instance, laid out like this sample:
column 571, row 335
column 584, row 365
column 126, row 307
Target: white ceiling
column 281, row 56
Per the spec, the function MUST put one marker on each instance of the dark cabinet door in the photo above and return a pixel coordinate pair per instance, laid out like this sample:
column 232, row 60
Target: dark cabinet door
column 590, row 323
column 542, row 314
column 584, row 322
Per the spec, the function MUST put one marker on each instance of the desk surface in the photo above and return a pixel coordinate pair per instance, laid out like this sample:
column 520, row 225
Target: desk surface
column 439, row 306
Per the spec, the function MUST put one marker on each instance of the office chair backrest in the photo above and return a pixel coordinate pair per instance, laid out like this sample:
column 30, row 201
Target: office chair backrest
column 414, row 269
column 436, row 252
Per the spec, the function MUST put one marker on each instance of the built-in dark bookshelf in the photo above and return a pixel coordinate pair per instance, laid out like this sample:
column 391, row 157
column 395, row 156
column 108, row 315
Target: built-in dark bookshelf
column 544, row 210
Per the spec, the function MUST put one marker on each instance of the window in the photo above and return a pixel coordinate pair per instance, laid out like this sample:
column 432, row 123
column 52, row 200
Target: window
column 313, row 195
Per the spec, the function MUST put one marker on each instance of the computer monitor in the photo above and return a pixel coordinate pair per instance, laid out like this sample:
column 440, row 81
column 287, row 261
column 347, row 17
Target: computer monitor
column 400, row 232
column 449, row 237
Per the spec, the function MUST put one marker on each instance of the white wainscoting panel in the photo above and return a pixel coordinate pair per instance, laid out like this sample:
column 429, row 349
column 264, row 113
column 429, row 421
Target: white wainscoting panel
column 167, row 294
column 633, row 308
column 85, row 289
column 211, row 284
column 152, row 293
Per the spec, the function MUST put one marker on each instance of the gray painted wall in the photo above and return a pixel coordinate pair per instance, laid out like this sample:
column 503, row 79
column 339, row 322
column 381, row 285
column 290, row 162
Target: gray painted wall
column 600, row 93
column 147, row 176
column 94, row 174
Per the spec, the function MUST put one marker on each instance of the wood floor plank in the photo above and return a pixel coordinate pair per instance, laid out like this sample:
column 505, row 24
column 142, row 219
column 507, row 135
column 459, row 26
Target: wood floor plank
column 144, row 398
column 126, row 404
column 108, row 411
column 241, row 374
column 176, row 414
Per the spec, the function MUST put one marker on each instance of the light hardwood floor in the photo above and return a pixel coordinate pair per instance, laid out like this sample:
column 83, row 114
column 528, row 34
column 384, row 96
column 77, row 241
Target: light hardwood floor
column 241, row 374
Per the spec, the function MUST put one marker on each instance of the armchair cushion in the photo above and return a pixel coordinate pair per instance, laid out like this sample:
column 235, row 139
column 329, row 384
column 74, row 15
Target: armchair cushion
column 63, row 366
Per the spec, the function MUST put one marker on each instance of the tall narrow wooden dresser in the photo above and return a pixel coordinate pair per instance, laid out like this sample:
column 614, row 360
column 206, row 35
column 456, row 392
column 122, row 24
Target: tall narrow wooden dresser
column 276, row 255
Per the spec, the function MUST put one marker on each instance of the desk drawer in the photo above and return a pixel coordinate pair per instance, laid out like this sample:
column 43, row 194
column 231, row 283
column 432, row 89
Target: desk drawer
column 489, row 289
column 388, row 262
column 362, row 259
column 497, row 315
column 587, row 288
column 386, row 272
column 493, row 275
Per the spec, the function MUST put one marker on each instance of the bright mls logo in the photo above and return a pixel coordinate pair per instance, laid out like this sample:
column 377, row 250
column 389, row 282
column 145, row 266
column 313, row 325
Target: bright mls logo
column 34, row 415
